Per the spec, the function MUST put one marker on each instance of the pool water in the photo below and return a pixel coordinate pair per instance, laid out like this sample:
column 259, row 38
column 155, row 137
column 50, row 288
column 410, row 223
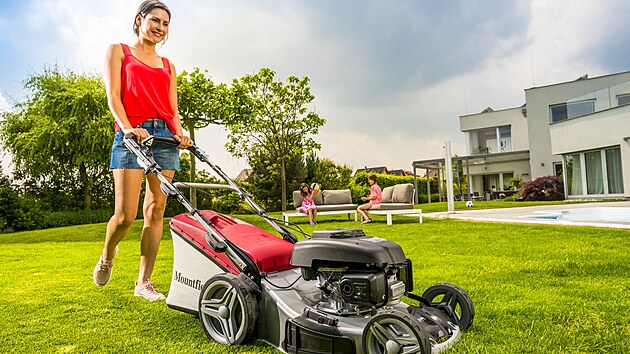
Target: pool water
column 586, row 214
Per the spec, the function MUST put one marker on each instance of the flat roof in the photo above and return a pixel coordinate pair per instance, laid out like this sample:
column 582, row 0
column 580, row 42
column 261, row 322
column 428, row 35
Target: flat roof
column 435, row 164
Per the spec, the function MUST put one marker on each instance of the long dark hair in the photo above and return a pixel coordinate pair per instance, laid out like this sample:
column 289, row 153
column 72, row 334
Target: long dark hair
column 302, row 185
column 146, row 7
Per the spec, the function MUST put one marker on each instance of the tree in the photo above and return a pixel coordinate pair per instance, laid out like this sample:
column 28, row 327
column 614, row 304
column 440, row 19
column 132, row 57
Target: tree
column 265, row 179
column 200, row 103
column 278, row 124
column 332, row 175
column 62, row 133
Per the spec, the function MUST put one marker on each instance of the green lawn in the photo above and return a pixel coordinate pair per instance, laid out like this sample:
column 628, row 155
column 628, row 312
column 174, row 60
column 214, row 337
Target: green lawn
column 536, row 288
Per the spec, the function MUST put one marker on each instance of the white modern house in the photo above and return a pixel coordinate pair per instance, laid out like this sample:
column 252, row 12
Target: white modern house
column 579, row 130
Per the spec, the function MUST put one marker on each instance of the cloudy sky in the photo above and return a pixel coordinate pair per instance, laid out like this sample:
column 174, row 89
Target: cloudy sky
column 390, row 77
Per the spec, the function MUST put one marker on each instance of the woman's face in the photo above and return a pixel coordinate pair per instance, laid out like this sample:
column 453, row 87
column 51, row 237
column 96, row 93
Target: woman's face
column 154, row 26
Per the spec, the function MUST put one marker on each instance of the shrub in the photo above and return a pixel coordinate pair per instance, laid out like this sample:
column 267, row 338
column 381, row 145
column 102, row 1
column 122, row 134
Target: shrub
column 17, row 212
column 543, row 188
column 422, row 198
column 75, row 217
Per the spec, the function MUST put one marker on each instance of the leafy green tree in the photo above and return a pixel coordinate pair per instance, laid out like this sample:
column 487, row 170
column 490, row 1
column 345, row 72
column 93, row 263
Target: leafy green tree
column 265, row 179
column 201, row 102
column 279, row 124
column 332, row 175
column 62, row 133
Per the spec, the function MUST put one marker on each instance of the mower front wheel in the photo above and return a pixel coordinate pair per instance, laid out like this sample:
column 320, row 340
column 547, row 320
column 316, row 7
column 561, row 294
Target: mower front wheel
column 228, row 310
column 454, row 301
column 393, row 331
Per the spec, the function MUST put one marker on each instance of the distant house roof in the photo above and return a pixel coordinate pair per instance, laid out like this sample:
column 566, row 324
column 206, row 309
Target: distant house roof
column 380, row 170
column 398, row 172
column 384, row 171
column 243, row 175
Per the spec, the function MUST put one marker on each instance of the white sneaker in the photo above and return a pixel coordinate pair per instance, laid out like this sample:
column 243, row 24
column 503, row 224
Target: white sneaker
column 103, row 270
column 148, row 291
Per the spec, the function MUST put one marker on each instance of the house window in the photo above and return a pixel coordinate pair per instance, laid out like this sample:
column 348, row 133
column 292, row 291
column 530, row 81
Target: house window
column 596, row 172
column 613, row 171
column 564, row 111
column 594, row 176
column 505, row 136
column 623, row 100
column 491, row 140
column 557, row 169
column 484, row 141
column 573, row 179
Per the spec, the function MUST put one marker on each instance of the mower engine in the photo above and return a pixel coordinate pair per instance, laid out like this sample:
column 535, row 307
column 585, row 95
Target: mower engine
column 355, row 273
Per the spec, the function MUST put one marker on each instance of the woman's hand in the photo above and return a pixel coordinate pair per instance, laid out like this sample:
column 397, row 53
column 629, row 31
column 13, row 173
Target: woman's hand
column 140, row 133
column 184, row 141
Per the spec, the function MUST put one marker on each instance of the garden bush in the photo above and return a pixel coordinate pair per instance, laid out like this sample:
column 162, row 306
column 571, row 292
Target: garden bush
column 53, row 219
column 543, row 189
column 17, row 212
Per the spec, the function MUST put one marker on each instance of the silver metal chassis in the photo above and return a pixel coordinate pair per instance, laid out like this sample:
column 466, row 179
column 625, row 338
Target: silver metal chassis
column 277, row 306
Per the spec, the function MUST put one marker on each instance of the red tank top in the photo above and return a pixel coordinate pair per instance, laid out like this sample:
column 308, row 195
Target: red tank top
column 145, row 91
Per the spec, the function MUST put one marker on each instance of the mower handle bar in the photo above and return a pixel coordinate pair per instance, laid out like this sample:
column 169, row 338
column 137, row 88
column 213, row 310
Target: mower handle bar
column 204, row 186
column 159, row 139
column 202, row 156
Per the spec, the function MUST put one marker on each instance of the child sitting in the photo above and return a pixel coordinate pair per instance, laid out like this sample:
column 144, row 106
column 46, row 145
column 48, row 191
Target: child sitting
column 308, row 205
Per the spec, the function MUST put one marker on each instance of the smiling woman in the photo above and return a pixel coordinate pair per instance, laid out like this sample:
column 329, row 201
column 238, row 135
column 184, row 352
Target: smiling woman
column 142, row 96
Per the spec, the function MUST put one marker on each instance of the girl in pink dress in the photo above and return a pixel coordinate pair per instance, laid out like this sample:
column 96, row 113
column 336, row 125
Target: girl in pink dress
column 308, row 205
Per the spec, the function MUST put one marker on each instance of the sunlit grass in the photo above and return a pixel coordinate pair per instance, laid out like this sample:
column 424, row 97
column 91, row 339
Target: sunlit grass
column 536, row 288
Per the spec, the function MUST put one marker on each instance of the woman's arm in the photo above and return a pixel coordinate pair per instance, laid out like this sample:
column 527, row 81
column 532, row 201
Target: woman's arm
column 173, row 100
column 184, row 141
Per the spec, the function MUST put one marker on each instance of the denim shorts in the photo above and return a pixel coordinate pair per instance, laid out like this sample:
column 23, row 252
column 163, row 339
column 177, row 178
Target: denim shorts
column 165, row 155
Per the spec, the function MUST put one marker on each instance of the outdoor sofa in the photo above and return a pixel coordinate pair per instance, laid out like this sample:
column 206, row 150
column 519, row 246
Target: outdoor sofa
column 397, row 199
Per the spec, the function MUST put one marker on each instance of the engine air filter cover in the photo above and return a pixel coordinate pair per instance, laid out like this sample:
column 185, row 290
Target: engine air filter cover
column 346, row 246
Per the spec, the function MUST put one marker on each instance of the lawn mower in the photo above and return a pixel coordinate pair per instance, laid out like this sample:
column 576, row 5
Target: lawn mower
column 336, row 291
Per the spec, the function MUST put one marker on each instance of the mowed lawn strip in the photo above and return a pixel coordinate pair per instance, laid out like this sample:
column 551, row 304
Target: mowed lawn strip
column 536, row 288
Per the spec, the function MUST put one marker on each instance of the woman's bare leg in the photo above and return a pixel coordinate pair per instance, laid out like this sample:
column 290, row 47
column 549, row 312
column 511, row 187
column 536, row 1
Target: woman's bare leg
column 127, row 183
column 153, row 210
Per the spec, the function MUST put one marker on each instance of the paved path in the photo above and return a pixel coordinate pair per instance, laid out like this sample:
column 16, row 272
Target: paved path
column 517, row 215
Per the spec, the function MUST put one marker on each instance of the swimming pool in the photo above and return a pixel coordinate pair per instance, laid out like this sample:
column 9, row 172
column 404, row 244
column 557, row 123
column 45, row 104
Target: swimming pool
column 585, row 214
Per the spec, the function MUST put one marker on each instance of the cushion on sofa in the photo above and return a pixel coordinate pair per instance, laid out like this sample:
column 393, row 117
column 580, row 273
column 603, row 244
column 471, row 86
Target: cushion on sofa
column 387, row 194
column 335, row 197
column 297, row 199
column 335, row 207
column 391, row 206
column 403, row 193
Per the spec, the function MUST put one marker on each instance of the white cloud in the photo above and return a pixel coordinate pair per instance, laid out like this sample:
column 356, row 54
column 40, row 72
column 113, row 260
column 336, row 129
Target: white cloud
column 4, row 104
column 390, row 80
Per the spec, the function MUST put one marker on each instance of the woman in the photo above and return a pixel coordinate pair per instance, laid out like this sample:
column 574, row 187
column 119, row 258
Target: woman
column 142, row 95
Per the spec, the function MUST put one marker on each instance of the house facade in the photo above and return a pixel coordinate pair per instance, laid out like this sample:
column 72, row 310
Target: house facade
column 497, row 147
column 579, row 130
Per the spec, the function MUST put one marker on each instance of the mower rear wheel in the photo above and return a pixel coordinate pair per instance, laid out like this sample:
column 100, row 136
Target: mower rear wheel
column 454, row 301
column 228, row 310
column 393, row 331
